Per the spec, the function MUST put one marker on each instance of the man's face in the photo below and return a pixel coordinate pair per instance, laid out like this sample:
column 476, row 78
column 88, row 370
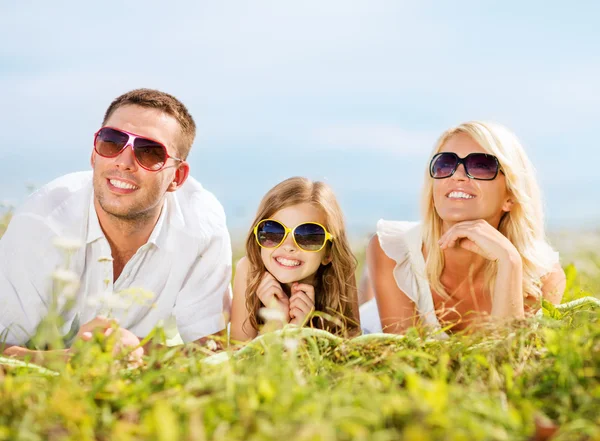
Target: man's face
column 122, row 187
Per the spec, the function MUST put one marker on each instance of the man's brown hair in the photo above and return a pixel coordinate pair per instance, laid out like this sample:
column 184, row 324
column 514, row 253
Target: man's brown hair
column 155, row 99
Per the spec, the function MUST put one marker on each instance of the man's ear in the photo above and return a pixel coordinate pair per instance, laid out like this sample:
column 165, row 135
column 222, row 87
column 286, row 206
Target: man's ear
column 93, row 158
column 181, row 175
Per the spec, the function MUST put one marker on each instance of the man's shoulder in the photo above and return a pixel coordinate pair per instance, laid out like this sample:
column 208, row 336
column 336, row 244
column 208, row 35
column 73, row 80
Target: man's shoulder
column 64, row 196
column 200, row 209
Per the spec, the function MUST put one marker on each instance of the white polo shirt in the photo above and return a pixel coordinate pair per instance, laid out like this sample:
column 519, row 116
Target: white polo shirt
column 182, row 274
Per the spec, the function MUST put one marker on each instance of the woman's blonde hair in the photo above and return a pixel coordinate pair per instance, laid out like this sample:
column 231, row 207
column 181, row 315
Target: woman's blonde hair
column 523, row 225
column 335, row 283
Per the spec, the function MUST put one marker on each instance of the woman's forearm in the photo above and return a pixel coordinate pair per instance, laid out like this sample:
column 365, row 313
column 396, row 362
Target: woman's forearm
column 508, row 289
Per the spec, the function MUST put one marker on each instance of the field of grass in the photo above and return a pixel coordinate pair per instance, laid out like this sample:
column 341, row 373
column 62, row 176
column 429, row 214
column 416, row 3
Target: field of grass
column 536, row 378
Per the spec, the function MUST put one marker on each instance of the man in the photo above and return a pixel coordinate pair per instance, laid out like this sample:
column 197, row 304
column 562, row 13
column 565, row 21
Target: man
column 154, row 243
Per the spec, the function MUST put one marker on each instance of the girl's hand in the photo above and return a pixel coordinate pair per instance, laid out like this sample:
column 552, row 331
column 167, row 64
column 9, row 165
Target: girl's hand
column 272, row 296
column 480, row 237
column 302, row 302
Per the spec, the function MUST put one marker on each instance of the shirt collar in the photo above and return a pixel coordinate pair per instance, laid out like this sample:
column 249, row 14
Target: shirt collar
column 157, row 238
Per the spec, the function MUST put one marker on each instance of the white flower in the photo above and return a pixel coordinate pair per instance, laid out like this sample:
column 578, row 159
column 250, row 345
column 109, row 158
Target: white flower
column 110, row 301
column 270, row 314
column 115, row 301
column 291, row 344
column 212, row 345
column 65, row 276
column 70, row 291
column 67, row 244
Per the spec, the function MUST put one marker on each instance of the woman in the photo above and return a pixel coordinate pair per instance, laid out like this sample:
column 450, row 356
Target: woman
column 480, row 250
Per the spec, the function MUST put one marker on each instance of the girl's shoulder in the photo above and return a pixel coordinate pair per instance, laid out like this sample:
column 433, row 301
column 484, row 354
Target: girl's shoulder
column 242, row 266
column 399, row 239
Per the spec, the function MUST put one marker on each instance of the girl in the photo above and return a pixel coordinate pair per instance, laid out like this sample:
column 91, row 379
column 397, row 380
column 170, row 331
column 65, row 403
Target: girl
column 297, row 261
column 480, row 250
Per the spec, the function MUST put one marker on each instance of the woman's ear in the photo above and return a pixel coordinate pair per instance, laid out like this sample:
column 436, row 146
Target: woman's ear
column 508, row 204
column 181, row 175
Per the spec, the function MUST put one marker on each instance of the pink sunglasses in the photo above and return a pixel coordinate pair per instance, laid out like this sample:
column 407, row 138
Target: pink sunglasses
column 149, row 154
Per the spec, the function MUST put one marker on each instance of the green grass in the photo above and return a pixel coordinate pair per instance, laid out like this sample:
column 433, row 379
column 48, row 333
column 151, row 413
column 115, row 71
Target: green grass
column 488, row 386
column 501, row 383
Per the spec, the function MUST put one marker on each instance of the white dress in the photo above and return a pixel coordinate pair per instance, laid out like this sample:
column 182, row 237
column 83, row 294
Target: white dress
column 403, row 242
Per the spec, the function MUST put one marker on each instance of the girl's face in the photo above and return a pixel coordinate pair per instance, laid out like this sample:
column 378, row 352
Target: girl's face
column 288, row 263
column 460, row 198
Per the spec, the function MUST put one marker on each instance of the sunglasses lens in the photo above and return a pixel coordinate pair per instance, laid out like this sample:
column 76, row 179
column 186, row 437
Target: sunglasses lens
column 150, row 154
column 110, row 142
column 270, row 233
column 310, row 237
column 481, row 166
column 443, row 165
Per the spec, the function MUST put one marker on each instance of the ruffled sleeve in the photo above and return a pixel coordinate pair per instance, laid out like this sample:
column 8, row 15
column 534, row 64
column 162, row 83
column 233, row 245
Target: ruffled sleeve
column 393, row 241
column 402, row 242
column 549, row 258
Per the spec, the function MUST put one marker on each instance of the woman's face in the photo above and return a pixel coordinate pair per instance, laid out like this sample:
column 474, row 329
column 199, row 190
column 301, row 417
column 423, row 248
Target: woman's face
column 288, row 263
column 460, row 198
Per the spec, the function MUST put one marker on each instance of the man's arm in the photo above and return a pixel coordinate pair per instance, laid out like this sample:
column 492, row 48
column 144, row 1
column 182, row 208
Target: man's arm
column 202, row 307
column 27, row 260
column 219, row 339
column 39, row 357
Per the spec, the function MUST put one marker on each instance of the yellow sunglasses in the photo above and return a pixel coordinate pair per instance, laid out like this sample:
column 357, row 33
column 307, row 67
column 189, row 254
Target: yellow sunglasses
column 308, row 236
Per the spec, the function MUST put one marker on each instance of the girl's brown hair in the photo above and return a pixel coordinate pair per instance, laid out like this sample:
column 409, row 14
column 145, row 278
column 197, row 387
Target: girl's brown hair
column 335, row 283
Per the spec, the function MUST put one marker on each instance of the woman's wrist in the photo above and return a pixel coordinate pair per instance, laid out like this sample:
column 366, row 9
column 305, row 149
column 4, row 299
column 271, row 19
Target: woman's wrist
column 511, row 261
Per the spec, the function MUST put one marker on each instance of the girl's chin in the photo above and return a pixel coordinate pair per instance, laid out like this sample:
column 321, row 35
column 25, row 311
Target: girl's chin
column 285, row 279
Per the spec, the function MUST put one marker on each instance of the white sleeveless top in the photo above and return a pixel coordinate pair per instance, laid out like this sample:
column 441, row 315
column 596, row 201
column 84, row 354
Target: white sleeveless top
column 403, row 242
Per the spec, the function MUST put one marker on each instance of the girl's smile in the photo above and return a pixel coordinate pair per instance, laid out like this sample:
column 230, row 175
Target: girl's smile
column 288, row 263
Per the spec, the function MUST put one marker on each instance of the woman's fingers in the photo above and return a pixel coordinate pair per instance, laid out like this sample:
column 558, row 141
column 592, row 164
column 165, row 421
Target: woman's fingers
column 472, row 230
column 478, row 237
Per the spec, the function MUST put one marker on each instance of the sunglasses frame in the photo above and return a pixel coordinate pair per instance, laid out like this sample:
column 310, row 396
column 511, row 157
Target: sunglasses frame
column 131, row 142
column 287, row 230
column 462, row 161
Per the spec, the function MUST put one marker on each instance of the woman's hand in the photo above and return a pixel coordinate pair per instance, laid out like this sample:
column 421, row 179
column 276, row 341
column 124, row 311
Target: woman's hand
column 302, row 302
column 272, row 296
column 480, row 237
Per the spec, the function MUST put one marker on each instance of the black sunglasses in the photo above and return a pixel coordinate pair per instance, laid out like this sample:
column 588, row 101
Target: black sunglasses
column 477, row 166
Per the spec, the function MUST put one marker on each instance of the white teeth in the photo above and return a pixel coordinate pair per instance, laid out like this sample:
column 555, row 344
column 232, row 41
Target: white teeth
column 121, row 184
column 288, row 262
column 460, row 195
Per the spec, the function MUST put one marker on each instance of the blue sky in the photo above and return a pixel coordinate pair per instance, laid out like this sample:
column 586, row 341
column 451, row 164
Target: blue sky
column 353, row 92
